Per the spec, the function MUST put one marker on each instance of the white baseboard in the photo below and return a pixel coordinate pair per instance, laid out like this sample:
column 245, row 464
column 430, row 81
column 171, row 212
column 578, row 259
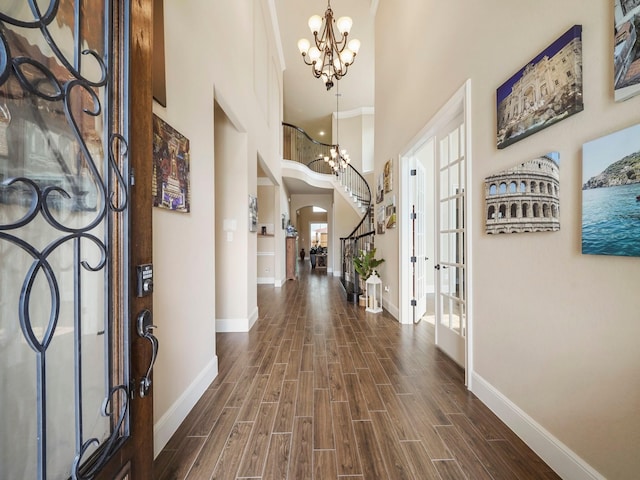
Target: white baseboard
column 226, row 325
column 392, row 309
column 555, row 453
column 278, row 283
column 266, row 280
column 166, row 426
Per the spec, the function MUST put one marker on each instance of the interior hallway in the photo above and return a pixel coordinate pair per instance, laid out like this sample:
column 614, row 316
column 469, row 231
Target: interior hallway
column 319, row 389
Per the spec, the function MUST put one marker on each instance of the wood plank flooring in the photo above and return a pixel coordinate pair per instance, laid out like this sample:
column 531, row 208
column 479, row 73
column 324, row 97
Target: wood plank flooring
column 321, row 390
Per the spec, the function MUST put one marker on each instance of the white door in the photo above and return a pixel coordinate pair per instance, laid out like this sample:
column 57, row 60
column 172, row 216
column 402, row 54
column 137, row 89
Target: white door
column 451, row 275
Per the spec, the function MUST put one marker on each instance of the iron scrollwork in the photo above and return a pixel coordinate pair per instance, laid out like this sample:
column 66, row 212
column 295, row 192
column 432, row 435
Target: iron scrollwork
column 80, row 98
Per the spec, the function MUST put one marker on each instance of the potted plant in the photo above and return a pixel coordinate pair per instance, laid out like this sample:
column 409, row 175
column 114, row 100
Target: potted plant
column 364, row 264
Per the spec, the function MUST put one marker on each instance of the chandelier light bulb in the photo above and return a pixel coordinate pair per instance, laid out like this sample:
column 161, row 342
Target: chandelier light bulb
column 315, row 22
column 314, row 54
column 347, row 56
column 344, row 25
column 303, row 46
column 354, row 46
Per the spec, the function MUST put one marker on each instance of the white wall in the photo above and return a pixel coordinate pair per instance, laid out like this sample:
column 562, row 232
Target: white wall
column 356, row 128
column 233, row 238
column 556, row 331
column 246, row 81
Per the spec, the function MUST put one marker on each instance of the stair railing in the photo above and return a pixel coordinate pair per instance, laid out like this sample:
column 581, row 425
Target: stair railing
column 299, row 147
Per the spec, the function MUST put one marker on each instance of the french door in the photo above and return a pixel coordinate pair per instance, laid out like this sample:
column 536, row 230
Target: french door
column 419, row 238
column 451, row 270
column 72, row 365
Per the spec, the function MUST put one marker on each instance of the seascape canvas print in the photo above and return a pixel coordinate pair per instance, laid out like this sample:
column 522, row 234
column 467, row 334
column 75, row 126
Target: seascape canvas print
column 545, row 91
column 626, row 51
column 611, row 194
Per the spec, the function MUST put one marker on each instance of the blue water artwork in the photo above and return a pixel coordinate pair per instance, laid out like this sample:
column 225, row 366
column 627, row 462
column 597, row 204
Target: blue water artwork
column 611, row 194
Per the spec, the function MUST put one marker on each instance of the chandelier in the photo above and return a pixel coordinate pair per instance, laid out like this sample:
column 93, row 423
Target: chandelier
column 338, row 158
column 331, row 55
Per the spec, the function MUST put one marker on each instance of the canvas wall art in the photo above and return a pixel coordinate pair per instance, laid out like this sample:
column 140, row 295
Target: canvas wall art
column 626, row 52
column 170, row 182
column 380, row 188
column 525, row 198
column 388, row 176
column 611, row 194
column 253, row 213
column 543, row 92
column 391, row 216
column 381, row 220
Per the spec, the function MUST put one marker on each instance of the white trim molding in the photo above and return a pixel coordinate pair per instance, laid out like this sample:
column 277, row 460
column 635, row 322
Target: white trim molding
column 556, row 454
column 356, row 112
column 392, row 309
column 227, row 325
column 167, row 425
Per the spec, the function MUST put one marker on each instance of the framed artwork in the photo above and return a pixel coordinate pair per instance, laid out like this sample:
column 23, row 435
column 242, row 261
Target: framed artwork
column 170, row 182
column 388, row 176
column 380, row 188
column 543, row 92
column 381, row 220
column 253, row 213
column 626, row 54
column 391, row 216
column 525, row 198
column 611, row 194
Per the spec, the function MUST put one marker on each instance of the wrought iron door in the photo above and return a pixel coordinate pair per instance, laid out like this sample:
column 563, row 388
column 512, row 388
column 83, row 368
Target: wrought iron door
column 64, row 198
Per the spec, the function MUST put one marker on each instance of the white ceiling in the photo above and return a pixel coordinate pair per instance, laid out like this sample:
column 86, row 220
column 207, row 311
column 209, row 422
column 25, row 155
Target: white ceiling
column 307, row 103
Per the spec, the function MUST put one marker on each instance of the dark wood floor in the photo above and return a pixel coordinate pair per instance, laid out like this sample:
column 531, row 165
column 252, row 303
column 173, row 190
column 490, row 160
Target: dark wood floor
column 319, row 389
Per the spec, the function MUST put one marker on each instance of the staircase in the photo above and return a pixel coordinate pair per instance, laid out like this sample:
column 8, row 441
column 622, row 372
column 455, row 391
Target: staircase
column 299, row 147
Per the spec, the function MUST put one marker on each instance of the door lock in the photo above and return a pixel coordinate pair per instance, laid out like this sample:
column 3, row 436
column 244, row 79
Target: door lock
column 144, row 280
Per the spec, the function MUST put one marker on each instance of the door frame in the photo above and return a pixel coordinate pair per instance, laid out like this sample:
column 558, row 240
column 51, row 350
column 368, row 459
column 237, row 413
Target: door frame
column 134, row 458
column 459, row 103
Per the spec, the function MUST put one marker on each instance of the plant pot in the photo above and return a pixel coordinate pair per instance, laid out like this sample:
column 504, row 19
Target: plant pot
column 362, row 301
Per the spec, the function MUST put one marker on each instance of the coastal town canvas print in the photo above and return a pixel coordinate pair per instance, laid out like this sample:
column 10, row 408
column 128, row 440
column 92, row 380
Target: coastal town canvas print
column 611, row 194
column 543, row 92
column 626, row 52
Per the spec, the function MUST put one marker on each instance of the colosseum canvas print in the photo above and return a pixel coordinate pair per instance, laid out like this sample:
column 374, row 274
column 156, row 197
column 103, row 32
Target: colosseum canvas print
column 611, row 194
column 525, row 198
column 543, row 92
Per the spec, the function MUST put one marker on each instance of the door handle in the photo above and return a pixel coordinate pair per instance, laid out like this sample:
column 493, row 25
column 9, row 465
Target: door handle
column 145, row 329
